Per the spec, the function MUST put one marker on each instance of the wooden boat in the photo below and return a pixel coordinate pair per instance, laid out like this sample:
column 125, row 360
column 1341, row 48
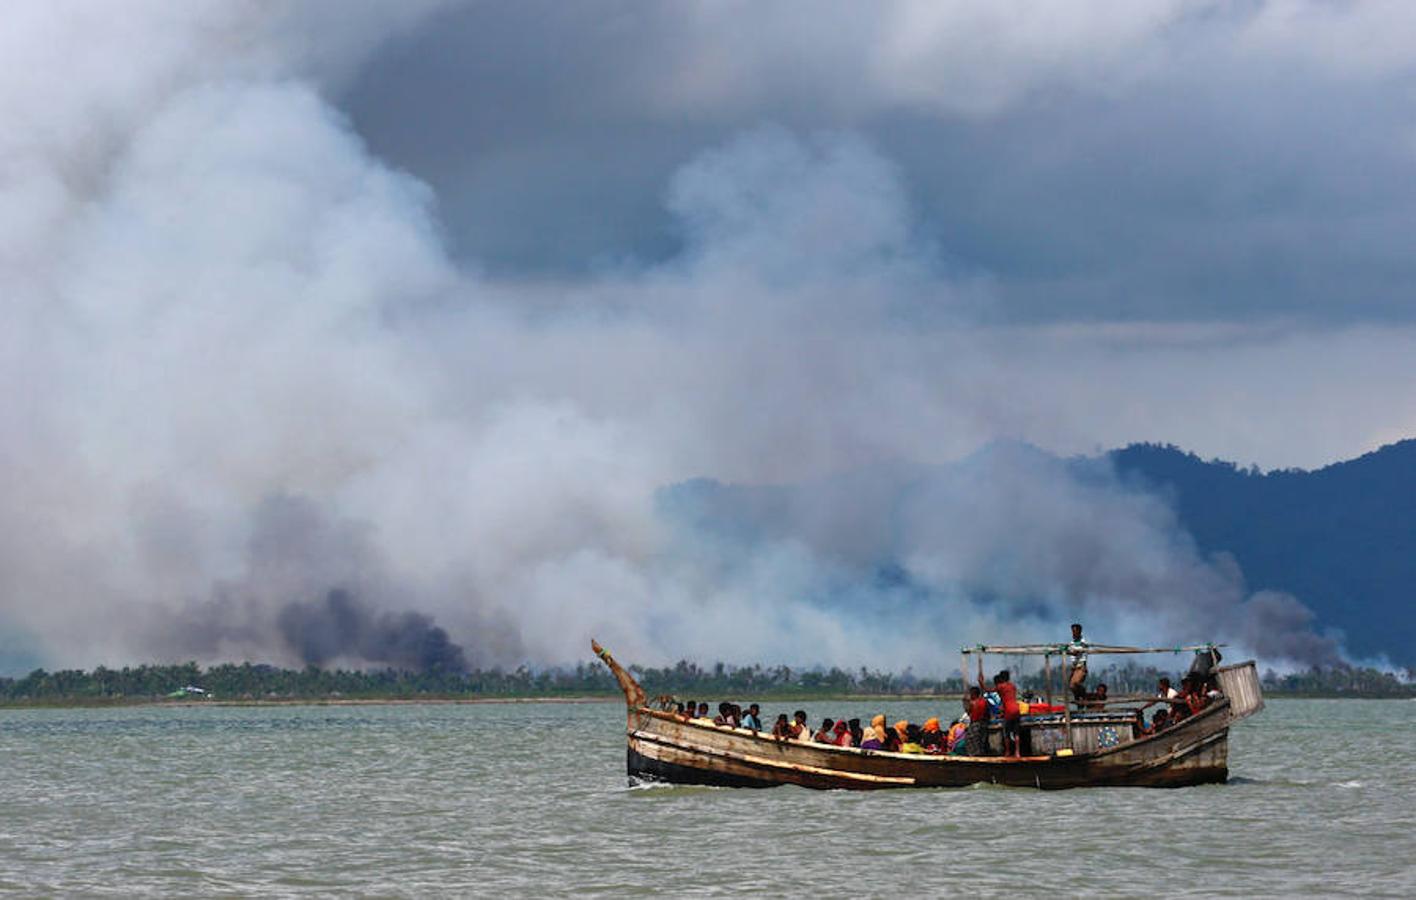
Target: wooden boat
column 1080, row 749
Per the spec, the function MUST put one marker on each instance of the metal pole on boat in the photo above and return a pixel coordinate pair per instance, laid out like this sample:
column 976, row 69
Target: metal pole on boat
column 1047, row 676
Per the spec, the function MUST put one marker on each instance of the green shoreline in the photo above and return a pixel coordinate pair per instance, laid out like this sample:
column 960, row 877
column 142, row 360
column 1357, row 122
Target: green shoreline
column 262, row 684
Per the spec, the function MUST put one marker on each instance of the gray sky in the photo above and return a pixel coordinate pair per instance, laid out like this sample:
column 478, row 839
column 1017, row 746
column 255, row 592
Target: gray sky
column 1211, row 161
column 428, row 303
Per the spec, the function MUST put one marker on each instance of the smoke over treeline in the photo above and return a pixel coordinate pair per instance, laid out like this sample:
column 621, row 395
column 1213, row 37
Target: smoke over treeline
column 1011, row 541
column 256, row 409
column 340, row 627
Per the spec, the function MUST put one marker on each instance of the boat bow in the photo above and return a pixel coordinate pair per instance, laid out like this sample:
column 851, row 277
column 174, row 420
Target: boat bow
column 634, row 696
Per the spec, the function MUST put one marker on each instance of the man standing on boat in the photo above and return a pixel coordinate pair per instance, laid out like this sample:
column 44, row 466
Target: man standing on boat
column 1077, row 650
column 976, row 735
column 1012, row 713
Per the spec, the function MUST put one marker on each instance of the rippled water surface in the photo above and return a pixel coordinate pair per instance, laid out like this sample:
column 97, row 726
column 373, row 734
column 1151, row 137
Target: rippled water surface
column 474, row 799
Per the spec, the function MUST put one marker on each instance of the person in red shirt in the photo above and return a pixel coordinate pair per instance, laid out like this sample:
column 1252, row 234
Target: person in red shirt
column 1012, row 714
column 1194, row 694
column 843, row 734
column 976, row 734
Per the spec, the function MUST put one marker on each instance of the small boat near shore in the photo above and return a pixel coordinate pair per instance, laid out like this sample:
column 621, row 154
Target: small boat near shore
column 1066, row 750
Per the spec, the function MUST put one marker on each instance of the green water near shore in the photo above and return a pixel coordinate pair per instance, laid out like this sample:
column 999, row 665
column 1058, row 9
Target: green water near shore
column 431, row 800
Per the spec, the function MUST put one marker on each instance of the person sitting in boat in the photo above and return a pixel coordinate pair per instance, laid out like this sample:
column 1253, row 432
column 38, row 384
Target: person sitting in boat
column 1144, row 728
column 782, row 728
column 930, row 737
column 901, row 729
column 800, row 730
column 842, row 732
column 955, row 735
column 912, row 742
column 1179, row 711
column 857, row 733
column 725, row 714
column 1164, row 693
column 752, row 719
column 1097, row 699
column 1077, row 651
column 1163, row 690
column 702, row 715
column 1196, row 698
column 1159, row 720
column 874, row 737
column 891, row 742
column 1212, row 691
column 826, row 734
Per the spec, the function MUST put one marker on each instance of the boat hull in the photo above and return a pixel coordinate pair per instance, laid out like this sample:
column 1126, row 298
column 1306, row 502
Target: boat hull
column 665, row 748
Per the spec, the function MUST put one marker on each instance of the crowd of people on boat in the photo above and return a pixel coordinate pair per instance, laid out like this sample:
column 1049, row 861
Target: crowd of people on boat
column 984, row 704
column 901, row 737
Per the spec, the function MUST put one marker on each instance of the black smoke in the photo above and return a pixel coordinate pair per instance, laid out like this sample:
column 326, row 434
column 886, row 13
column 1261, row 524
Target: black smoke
column 340, row 626
column 1278, row 626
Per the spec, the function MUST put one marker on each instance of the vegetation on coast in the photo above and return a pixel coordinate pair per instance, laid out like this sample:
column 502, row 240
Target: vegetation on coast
column 264, row 683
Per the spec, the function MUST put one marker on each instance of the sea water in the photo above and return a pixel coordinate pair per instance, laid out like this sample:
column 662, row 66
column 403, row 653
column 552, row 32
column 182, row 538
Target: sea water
column 532, row 798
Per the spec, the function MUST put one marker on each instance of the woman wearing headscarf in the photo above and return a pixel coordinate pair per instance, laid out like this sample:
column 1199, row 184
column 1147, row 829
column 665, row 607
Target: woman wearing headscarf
column 843, row 734
column 892, row 741
column 955, row 735
column 931, row 737
column 874, row 735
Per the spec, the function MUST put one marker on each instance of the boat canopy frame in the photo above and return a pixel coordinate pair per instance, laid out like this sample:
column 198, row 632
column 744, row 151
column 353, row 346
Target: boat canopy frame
column 1047, row 651
column 1062, row 649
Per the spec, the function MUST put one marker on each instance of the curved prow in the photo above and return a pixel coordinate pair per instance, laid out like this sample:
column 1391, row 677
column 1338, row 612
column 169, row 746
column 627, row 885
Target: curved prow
column 634, row 695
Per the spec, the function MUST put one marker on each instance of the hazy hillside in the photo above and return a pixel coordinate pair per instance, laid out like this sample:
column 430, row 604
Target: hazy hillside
column 1341, row 538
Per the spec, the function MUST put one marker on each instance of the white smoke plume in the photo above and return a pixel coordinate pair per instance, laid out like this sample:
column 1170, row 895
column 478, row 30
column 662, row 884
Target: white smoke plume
column 251, row 394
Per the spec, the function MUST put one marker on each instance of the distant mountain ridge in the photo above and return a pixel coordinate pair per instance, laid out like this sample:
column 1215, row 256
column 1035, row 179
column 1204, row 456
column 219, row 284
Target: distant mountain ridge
column 1341, row 538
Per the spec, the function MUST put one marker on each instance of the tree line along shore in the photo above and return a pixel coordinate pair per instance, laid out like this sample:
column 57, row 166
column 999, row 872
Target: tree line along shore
column 256, row 683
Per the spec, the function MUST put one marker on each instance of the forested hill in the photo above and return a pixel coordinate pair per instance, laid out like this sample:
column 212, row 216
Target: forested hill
column 1341, row 538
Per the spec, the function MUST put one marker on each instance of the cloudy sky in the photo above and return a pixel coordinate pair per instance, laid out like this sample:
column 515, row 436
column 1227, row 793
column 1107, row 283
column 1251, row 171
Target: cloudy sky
column 430, row 302
column 1196, row 215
